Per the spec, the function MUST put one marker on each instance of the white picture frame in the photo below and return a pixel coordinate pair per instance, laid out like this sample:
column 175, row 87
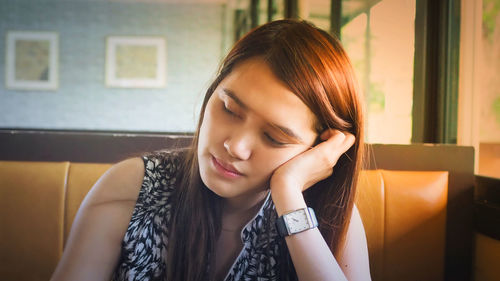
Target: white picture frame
column 136, row 61
column 32, row 60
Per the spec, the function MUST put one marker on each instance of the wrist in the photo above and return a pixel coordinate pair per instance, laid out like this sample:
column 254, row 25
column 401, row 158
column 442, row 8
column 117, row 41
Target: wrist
column 287, row 198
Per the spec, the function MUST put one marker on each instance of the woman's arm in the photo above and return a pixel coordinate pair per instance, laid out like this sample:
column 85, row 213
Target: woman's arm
column 310, row 253
column 354, row 256
column 312, row 257
column 94, row 243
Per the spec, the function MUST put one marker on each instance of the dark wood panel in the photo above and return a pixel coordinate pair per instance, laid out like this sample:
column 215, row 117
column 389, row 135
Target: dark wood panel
column 487, row 206
column 78, row 146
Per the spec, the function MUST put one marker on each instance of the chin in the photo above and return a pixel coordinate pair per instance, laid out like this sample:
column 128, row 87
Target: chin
column 217, row 186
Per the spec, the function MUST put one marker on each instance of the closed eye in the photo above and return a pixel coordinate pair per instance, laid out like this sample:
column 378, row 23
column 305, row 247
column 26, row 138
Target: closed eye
column 273, row 141
column 228, row 111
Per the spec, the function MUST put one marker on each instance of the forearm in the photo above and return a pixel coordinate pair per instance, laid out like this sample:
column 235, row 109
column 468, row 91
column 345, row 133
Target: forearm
column 312, row 258
column 310, row 254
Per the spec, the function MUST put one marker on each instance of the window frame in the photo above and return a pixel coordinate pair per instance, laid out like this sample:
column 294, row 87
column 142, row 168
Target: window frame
column 436, row 66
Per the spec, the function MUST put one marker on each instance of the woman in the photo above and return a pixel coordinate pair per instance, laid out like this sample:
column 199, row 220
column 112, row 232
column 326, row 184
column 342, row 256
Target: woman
column 280, row 130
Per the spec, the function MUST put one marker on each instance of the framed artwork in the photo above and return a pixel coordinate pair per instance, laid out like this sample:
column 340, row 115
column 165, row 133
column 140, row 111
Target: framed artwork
column 32, row 60
column 136, row 62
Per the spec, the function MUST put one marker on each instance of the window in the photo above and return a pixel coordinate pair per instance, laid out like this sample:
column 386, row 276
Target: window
column 379, row 38
column 406, row 55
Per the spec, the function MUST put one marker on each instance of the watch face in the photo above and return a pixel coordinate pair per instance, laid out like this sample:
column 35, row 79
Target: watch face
column 297, row 221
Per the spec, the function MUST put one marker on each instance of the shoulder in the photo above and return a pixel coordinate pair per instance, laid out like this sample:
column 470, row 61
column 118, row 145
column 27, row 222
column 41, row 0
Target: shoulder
column 127, row 180
column 123, row 181
column 93, row 245
column 163, row 164
column 95, row 241
column 119, row 183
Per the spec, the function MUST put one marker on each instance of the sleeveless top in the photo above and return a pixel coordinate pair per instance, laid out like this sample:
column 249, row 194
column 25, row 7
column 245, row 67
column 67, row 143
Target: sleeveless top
column 145, row 242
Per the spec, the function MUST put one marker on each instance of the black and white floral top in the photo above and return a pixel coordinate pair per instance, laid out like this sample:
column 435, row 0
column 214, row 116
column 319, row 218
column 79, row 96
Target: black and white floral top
column 145, row 243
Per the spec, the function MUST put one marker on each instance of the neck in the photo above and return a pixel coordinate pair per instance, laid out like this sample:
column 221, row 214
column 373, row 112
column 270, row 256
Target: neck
column 236, row 212
column 243, row 203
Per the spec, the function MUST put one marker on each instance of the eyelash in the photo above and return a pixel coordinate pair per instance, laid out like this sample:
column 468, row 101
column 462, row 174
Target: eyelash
column 227, row 110
column 273, row 141
column 268, row 137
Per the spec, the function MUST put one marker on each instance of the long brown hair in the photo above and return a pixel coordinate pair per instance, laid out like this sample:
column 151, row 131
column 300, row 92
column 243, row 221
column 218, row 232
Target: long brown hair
column 315, row 67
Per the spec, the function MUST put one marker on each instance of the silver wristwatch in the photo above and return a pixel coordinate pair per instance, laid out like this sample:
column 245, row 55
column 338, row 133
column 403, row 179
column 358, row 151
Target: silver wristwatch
column 296, row 221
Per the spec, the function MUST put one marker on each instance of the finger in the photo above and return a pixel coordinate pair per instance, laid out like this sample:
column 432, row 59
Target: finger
column 328, row 133
column 349, row 141
column 335, row 137
column 331, row 149
column 345, row 139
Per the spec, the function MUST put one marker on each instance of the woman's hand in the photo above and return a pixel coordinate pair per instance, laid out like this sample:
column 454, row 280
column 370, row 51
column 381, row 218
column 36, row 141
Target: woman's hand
column 312, row 165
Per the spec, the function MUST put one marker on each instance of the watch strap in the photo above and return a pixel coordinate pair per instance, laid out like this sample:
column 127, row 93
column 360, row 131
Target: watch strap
column 281, row 227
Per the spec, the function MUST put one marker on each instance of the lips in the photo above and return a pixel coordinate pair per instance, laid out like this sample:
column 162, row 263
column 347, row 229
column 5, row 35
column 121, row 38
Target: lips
column 225, row 169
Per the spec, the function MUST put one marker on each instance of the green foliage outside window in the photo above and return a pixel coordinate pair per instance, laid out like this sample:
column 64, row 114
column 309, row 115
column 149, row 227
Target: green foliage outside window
column 491, row 10
column 496, row 109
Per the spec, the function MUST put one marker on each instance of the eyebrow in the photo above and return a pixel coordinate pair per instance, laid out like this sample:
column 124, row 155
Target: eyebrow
column 287, row 131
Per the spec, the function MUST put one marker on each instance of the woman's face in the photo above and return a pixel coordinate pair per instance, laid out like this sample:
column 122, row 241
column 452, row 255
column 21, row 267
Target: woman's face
column 252, row 124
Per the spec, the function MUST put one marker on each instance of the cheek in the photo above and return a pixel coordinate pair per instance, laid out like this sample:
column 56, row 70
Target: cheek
column 209, row 124
column 272, row 159
column 205, row 135
column 214, row 130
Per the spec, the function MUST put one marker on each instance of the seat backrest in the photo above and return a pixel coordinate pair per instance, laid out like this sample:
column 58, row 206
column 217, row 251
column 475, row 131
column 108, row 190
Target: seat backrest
column 39, row 201
column 403, row 212
column 31, row 218
column 404, row 215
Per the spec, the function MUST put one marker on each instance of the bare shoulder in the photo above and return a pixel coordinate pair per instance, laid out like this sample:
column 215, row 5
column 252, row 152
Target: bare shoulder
column 354, row 259
column 94, row 243
column 120, row 183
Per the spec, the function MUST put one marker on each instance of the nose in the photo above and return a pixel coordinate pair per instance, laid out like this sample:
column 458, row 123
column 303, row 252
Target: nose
column 239, row 145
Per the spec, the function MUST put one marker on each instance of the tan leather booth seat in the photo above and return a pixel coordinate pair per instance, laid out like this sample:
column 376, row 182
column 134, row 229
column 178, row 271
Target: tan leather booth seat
column 404, row 214
column 38, row 202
